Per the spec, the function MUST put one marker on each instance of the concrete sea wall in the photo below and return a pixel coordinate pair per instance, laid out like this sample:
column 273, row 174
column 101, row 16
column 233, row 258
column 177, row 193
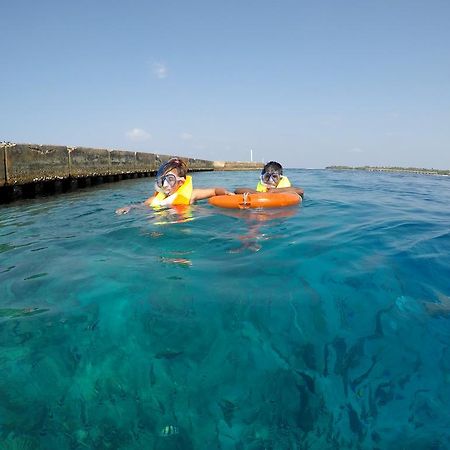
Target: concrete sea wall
column 27, row 170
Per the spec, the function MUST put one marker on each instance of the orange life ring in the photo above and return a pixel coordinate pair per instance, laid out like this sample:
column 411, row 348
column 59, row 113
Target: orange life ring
column 259, row 200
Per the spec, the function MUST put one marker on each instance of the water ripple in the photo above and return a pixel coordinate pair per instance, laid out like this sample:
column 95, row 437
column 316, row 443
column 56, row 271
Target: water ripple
column 316, row 327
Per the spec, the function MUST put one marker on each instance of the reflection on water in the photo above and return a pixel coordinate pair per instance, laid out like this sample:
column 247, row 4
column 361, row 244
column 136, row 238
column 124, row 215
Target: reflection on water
column 325, row 327
column 253, row 219
column 175, row 214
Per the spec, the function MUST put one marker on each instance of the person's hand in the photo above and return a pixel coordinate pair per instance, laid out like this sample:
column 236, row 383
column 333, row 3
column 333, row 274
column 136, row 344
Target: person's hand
column 124, row 210
column 222, row 191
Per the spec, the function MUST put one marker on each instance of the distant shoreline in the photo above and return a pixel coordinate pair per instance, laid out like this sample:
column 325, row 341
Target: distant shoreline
column 420, row 171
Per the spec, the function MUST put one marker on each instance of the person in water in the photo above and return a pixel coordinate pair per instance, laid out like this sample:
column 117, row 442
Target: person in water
column 174, row 187
column 272, row 180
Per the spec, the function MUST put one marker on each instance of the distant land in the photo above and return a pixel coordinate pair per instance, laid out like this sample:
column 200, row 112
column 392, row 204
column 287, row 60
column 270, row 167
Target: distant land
column 393, row 169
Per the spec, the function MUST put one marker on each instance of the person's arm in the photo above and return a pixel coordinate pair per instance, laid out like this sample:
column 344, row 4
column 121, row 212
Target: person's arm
column 148, row 202
column 291, row 189
column 201, row 194
column 245, row 190
column 127, row 209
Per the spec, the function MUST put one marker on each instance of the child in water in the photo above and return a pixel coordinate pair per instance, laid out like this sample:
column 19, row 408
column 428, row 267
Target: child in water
column 174, row 187
column 272, row 180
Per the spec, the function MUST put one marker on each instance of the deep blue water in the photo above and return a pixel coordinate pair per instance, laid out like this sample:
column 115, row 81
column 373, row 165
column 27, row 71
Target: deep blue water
column 324, row 326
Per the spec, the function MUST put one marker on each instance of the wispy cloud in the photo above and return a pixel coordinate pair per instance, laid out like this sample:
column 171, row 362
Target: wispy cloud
column 138, row 135
column 356, row 150
column 160, row 70
column 393, row 115
column 186, row 136
column 331, row 120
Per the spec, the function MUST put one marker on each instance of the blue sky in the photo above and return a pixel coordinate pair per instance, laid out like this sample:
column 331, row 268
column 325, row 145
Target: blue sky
column 307, row 83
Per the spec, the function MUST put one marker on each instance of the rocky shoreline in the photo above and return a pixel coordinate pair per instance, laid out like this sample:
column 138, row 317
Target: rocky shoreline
column 416, row 170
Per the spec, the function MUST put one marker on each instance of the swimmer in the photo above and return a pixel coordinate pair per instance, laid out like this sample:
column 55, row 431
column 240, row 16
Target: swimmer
column 174, row 187
column 272, row 180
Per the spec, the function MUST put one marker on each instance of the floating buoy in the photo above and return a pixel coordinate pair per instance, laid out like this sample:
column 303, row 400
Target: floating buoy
column 259, row 200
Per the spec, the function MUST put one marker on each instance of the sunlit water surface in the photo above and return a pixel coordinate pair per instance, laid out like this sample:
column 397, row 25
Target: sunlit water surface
column 323, row 326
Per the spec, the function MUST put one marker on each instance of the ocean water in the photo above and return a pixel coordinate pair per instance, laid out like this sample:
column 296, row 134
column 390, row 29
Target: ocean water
column 323, row 326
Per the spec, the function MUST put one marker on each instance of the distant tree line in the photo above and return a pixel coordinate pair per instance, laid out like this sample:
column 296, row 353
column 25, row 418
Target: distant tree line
column 393, row 169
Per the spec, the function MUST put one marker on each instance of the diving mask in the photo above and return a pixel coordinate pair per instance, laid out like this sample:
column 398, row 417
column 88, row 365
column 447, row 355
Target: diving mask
column 166, row 183
column 271, row 178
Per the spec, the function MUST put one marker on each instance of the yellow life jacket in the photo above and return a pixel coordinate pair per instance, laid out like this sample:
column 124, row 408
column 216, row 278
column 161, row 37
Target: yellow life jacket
column 181, row 197
column 283, row 183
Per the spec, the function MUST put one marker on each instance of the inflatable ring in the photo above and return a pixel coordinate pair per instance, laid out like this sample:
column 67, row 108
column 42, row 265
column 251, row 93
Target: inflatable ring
column 259, row 200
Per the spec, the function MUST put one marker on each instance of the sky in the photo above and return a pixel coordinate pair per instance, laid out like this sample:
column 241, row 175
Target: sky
column 307, row 83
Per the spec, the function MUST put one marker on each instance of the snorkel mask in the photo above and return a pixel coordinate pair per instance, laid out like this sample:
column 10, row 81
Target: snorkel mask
column 165, row 182
column 270, row 178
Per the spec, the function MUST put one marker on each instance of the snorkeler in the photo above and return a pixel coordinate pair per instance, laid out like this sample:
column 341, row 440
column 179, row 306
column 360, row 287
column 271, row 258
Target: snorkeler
column 174, row 187
column 272, row 180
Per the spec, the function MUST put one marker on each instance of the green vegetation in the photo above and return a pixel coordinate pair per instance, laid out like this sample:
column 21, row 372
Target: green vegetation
column 393, row 169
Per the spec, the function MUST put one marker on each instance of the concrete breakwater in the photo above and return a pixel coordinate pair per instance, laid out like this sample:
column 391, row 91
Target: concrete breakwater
column 28, row 170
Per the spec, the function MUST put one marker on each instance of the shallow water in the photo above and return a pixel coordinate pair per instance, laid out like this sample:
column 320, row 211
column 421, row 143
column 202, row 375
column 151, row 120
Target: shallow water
column 315, row 327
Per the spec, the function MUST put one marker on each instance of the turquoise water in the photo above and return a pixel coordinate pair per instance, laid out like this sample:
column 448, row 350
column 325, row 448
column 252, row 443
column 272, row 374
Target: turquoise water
column 323, row 326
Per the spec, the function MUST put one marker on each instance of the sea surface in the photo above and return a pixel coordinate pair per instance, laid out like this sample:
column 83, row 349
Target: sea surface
column 322, row 326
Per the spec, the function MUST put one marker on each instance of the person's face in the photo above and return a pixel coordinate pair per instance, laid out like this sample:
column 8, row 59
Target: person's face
column 270, row 178
column 169, row 182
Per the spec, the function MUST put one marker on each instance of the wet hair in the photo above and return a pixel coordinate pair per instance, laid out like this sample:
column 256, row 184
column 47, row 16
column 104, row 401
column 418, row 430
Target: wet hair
column 174, row 163
column 273, row 166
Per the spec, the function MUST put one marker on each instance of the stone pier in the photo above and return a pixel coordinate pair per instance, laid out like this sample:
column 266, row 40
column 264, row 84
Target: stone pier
column 28, row 170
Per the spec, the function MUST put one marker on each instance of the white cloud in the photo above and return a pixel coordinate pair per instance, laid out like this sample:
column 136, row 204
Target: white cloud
column 356, row 150
column 138, row 135
column 160, row 70
column 186, row 136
